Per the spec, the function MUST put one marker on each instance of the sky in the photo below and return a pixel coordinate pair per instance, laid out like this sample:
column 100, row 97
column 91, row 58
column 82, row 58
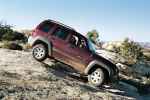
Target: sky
column 113, row 19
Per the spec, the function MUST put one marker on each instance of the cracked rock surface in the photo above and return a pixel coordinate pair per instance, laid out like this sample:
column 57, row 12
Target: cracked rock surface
column 23, row 78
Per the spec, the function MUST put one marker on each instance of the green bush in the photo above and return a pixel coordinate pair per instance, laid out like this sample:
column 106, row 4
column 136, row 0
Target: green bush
column 13, row 36
column 7, row 34
column 5, row 29
column 130, row 50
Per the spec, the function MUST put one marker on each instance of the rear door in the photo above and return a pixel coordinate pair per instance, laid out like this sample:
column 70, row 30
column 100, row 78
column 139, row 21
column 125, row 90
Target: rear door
column 59, row 42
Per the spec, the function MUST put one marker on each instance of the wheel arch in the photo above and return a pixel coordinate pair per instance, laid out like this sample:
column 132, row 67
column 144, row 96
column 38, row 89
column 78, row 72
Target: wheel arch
column 45, row 42
column 97, row 64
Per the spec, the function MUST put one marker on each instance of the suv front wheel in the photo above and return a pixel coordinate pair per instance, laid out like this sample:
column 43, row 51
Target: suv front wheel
column 39, row 52
column 96, row 77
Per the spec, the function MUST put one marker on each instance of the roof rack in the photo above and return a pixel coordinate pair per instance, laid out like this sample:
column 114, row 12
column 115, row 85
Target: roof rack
column 61, row 24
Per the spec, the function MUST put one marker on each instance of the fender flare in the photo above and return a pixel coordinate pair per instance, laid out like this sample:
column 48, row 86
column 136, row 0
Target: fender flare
column 100, row 64
column 32, row 41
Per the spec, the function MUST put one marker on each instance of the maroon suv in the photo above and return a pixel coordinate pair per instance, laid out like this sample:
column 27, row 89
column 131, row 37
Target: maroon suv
column 55, row 40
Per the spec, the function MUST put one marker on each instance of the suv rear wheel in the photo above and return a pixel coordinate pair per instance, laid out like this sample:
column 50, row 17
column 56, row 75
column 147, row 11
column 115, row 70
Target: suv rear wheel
column 39, row 52
column 97, row 77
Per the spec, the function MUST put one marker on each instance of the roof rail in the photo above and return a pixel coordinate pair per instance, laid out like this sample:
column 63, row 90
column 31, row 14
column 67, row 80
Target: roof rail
column 61, row 24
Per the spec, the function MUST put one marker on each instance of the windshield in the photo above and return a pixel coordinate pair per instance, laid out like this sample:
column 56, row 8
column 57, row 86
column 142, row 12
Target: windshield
column 91, row 46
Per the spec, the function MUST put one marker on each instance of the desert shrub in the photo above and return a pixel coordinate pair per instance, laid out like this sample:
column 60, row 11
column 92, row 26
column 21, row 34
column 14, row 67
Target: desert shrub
column 20, row 36
column 130, row 50
column 7, row 34
column 14, row 36
column 11, row 45
column 5, row 29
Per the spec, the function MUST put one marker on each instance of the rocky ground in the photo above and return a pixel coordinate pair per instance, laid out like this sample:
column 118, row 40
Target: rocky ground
column 23, row 78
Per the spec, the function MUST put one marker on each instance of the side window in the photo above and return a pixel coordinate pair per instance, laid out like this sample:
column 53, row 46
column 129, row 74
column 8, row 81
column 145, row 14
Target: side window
column 45, row 26
column 82, row 43
column 78, row 41
column 61, row 33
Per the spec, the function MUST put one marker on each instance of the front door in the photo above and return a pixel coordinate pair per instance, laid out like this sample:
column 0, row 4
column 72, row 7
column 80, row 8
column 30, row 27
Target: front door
column 78, row 51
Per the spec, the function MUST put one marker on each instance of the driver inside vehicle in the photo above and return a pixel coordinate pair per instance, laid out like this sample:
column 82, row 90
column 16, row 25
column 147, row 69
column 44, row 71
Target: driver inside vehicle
column 74, row 40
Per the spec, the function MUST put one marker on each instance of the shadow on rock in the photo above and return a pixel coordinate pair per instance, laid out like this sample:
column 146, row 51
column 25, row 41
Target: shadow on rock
column 63, row 71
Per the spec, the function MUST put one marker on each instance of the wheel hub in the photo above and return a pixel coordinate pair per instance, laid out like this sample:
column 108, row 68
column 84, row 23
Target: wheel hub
column 96, row 77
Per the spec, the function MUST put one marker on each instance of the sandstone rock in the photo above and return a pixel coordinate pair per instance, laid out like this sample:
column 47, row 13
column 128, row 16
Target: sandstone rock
column 22, row 77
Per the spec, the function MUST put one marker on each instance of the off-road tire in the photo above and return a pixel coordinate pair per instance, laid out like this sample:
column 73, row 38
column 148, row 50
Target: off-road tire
column 96, row 77
column 39, row 52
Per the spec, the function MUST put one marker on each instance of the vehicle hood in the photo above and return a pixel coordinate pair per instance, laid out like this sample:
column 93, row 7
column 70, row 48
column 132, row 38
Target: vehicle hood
column 106, row 60
column 106, row 55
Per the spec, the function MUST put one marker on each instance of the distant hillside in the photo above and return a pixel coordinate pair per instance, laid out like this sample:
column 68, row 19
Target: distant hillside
column 145, row 44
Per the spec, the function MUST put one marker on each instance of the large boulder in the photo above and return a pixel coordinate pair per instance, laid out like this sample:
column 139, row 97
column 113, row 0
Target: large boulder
column 111, row 46
column 136, row 70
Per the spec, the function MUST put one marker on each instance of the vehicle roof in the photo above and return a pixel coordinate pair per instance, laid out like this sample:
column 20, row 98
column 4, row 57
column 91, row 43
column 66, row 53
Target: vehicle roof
column 61, row 24
column 56, row 22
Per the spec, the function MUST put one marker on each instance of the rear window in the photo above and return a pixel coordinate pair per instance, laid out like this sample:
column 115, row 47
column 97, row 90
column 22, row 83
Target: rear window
column 45, row 26
column 61, row 33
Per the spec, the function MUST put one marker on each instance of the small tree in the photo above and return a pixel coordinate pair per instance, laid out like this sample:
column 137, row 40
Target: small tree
column 92, row 36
